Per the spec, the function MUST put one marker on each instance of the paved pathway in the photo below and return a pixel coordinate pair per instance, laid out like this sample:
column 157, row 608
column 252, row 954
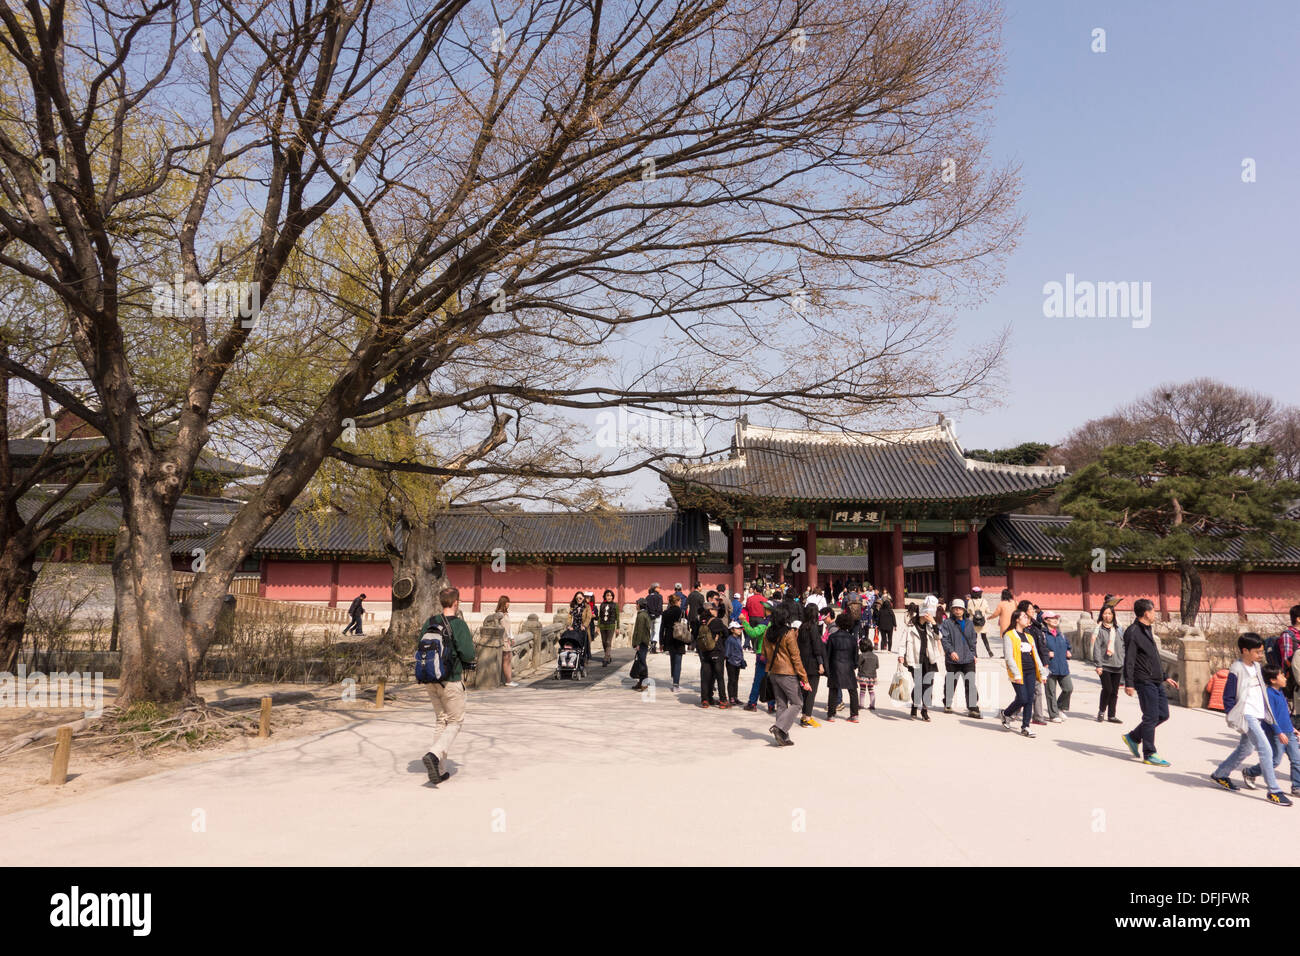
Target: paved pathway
column 565, row 773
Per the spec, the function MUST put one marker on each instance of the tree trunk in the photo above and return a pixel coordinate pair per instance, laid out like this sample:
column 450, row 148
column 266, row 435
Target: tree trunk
column 17, row 575
column 421, row 562
column 1189, row 592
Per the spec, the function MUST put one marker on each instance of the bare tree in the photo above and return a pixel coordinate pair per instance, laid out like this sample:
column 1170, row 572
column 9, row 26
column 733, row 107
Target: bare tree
column 456, row 198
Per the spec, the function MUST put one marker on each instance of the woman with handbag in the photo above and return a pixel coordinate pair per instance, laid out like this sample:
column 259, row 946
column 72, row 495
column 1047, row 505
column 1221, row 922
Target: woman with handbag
column 641, row 641
column 672, row 639
column 922, row 651
column 786, row 677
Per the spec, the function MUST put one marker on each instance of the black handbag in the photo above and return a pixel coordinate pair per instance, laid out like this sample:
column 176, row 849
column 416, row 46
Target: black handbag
column 639, row 670
column 765, row 690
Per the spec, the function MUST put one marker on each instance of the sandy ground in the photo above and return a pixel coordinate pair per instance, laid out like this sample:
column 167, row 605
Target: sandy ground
column 566, row 773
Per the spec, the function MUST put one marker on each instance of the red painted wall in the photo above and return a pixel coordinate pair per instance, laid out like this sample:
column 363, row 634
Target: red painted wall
column 1274, row 593
column 373, row 578
column 1131, row 585
column 1049, row 589
column 299, row 580
column 522, row 583
column 641, row 576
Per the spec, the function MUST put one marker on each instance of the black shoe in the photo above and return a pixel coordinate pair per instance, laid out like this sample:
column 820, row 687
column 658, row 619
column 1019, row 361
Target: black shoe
column 436, row 774
column 1279, row 798
column 913, row 714
column 775, row 731
column 1113, row 720
column 1225, row 783
column 947, row 710
column 1006, row 721
column 925, row 715
column 1100, row 718
column 975, row 713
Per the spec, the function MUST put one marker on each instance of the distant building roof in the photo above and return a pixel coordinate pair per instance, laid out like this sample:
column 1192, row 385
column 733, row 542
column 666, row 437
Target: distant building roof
column 27, row 450
column 903, row 465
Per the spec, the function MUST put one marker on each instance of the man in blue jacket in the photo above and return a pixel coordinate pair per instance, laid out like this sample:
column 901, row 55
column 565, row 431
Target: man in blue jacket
column 1060, row 686
column 957, row 634
column 1144, row 675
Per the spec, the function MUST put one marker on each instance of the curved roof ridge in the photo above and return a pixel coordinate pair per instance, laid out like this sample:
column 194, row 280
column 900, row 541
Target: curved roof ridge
column 974, row 464
column 924, row 433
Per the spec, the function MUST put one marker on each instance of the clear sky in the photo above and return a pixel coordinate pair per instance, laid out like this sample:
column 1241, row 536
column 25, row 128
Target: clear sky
column 1131, row 171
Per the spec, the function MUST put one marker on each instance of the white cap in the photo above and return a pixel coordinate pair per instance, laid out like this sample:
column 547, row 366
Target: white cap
column 958, row 603
column 931, row 605
column 736, row 595
column 1047, row 614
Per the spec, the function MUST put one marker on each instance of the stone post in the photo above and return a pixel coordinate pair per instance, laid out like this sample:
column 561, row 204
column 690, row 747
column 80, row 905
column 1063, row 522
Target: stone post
column 1196, row 669
column 487, row 652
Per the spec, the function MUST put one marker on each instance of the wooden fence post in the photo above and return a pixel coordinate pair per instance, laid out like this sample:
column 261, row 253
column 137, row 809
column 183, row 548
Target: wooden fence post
column 379, row 695
column 264, row 725
column 62, row 751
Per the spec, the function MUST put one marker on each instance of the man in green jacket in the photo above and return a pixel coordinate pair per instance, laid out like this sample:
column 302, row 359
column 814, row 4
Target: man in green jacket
column 641, row 637
column 755, row 633
column 448, row 698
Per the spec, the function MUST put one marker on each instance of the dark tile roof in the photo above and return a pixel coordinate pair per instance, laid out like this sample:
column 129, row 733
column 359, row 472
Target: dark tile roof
column 104, row 516
column 26, row 450
column 1031, row 537
column 917, row 464
column 477, row 533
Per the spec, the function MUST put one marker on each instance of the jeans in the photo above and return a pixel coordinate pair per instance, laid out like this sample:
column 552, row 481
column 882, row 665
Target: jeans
column 354, row 624
column 733, row 681
column 1292, row 749
column 449, row 707
column 675, row 665
column 1155, row 711
column 1255, row 738
column 1024, row 703
column 788, row 697
column 760, row 669
column 1057, row 703
column 961, row 672
column 1110, row 681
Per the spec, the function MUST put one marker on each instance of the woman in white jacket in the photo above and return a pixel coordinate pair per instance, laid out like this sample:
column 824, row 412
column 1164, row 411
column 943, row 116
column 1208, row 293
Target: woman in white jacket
column 922, row 651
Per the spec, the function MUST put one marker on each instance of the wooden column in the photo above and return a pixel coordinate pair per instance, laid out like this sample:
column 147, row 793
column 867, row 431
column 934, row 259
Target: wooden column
column 694, row 574
column 737, row 559
column 1011, row 581
column 1239, row 585
column 810, row 546
column 550, row 589
column 478, row 587
column 1085, row 582
column 973, row 554
column 622, row 582
column 334, row 583
column 1162, row 585
column 896, row 560
column 261, row 579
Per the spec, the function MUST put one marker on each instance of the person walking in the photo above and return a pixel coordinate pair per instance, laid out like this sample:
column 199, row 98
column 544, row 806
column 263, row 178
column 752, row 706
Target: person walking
column 507, row 640
column 1020, row 654
column 642, row 631
column 736, row 606
column 1005, row 609
column 1108, row 659
column 957, row 634
column 355, row 610
column 788, row 678
column 1060, row 685
column 841, row 665
column 448, row 695
column 978, row 612
column 757, row 635
column 675, row 646
column 886, row 621
column 868, row 667
column 812, row 653
column 922, row 651
column 1144, row 675
column 654, row 607
column 1249, row 712
column 607, row 620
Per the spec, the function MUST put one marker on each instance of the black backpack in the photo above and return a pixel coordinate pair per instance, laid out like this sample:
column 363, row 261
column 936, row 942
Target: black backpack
column 434, row 652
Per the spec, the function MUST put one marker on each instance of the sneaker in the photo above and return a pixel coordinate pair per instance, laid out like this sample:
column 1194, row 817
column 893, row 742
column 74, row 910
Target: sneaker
column 1064, row 716
column 723, row 705
column 947, row 710
column 513, row 684
column 1156, row 760
column 775, row 731
column 1280, row 798
column 676, row 688
column 751, row 707
column 975, row 713
column 1295, row 791
column 925, row 715
column 1058, row 720
column 830, row 718
column 1113, row 720
column 853, row 720
column 1100, row 718
column 1006, row 721
column 704, row 704
column 771, row 708
column 1248, row 779
column 872, row 707
column 1132, row 747
column 1040, row 723
column 812, row 722
column 1225, row 783
column 1027, row 733
column 436, row 774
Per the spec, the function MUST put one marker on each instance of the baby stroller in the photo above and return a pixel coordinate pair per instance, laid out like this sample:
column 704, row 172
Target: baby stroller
column 571, row 656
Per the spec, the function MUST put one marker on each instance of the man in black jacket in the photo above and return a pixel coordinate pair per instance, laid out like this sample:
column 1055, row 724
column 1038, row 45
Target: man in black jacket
column 1144, row 675
column 355, row 610
column 654, row 606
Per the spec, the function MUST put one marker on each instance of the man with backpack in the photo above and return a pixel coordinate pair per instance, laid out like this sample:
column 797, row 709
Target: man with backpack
column 1280, row 651
column 444, row 652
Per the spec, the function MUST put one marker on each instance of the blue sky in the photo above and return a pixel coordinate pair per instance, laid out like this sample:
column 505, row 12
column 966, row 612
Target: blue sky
column 1131, row 170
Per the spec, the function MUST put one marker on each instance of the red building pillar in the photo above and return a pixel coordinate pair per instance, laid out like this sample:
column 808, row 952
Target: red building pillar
column 1239, row 585
column 737, row 559
column 973, row 556
column 896, row 560
column 622, row 582
column 478, row 587
column 1085, row 582
column 550, row 590
column 810, row 547
column 334, row 583
column 1163, row 585
column 261, row 580
column 1011, row 582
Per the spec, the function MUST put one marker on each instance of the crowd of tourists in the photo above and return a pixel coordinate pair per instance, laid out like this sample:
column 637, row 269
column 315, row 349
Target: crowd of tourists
column 801, row 638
